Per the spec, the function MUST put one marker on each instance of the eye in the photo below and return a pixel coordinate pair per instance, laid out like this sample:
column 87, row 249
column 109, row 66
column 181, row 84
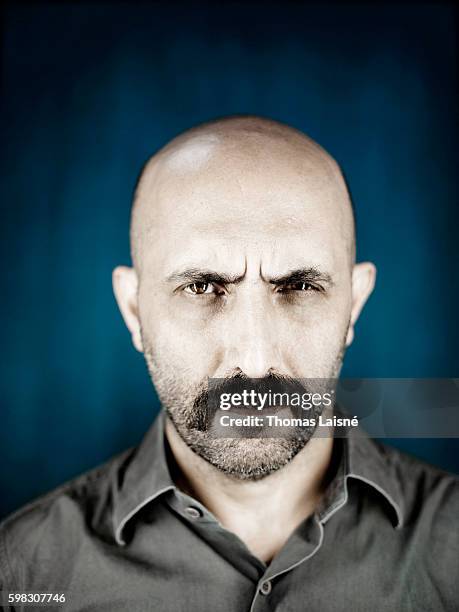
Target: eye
column 298, row 286
column 200, row 288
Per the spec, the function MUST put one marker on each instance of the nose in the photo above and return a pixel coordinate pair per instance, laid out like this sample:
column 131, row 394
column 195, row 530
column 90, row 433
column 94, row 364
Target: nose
column 253, row 343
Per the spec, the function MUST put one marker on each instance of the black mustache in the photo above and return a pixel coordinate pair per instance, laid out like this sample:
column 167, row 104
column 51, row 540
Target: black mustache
column 206, row 402
column 240, row 382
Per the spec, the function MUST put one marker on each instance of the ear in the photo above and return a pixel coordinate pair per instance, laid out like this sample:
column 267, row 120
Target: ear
column 125, row 285
column 363, row 282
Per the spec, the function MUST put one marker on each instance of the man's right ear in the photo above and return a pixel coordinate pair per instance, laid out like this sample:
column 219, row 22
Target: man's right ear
column 125, row 285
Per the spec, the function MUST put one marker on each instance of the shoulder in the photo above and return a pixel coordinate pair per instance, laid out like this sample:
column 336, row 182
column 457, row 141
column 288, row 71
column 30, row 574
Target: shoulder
column 35, row 533
column 424, row 490
column 420, row 490
column 425, row 545
column 429, row 501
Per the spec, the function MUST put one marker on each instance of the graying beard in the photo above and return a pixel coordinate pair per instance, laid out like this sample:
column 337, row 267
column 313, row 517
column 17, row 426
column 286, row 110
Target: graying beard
column 223, row 453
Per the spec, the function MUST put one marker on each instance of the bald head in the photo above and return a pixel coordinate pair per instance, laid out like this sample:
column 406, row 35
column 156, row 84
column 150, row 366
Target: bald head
column 268, row 166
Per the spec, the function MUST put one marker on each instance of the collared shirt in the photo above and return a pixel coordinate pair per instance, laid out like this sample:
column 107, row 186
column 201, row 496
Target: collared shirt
column 124, row 537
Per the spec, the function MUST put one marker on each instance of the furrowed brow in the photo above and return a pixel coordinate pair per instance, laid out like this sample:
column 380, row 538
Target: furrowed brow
column 303, row 275
column 197, row 275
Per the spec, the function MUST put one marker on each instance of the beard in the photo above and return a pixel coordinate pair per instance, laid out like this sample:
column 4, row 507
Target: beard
column 244, row 456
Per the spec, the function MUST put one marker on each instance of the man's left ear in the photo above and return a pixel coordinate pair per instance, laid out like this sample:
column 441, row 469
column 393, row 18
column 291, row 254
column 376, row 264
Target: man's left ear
column 363, row 282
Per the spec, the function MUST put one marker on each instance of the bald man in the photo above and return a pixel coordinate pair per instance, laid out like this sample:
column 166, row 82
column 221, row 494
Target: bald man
column 243, row 249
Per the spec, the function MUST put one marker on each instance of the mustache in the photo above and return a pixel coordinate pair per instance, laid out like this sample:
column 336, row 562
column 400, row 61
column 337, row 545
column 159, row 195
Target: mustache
column 206, row 403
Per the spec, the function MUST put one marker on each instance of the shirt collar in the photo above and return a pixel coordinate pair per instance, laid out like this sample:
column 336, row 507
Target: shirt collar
column 371, row 464
column 147, row 477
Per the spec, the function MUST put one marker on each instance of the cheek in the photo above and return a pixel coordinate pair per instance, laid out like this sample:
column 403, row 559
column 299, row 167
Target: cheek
column 319, row 343
column 160, row 310
column 312, row 340
column 177, row 344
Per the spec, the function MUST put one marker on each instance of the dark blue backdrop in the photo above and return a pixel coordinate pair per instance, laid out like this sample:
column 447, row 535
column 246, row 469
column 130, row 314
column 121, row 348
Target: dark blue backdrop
column 89, row 91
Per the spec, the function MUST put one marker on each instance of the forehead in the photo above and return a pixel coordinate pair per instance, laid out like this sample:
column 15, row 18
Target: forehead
column 205, row 196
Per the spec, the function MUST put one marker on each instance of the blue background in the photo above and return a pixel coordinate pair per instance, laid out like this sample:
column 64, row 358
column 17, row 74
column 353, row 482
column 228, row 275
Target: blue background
column 90, row 91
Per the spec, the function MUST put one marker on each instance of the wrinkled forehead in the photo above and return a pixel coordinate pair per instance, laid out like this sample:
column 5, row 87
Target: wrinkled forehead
column 257, row 192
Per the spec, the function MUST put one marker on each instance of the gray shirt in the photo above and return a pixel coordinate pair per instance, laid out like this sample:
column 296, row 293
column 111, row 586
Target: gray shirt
column 123, row 537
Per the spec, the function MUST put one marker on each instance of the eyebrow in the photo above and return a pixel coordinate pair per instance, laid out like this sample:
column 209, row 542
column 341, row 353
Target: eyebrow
column 303, row 275
column 299, row 275
column 198, row 275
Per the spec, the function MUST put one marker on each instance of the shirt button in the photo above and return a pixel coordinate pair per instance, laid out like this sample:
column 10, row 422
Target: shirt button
column 265, row 587
column 193, row 512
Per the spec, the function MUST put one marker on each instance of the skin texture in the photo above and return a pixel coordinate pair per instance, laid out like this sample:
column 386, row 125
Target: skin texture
column 247, row 201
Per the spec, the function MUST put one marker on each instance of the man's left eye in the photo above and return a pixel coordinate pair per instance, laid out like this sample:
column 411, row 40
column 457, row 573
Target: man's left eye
column 199, row 288
column 298, row 286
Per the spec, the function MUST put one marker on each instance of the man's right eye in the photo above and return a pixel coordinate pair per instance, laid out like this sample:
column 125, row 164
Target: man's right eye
column 200, row 288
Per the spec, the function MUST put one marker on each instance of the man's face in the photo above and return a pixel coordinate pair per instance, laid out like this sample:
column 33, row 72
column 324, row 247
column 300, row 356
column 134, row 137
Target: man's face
column 245, row 269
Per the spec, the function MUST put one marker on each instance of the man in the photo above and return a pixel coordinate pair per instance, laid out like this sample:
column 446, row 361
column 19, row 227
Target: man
column 243, row 246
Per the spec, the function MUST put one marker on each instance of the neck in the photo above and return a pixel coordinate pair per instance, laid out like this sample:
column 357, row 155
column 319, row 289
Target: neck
column 281, row 500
